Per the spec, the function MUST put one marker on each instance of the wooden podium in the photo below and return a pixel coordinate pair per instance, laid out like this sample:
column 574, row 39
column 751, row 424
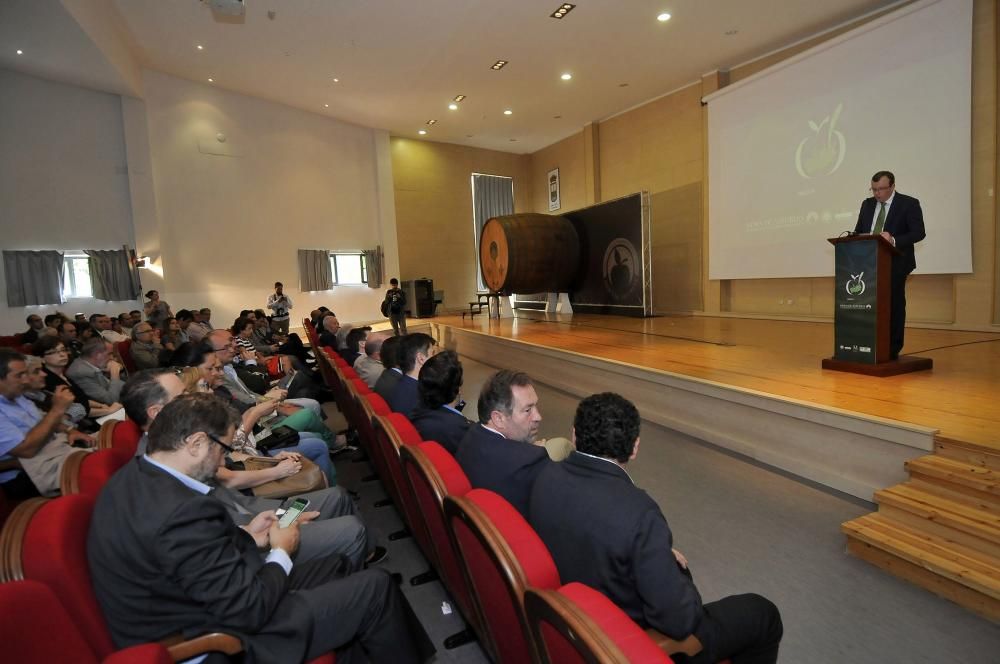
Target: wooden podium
column 862, row 308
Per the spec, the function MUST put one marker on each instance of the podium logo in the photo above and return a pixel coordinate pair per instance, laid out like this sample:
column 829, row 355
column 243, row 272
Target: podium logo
column 821, row 152
column 856, row 285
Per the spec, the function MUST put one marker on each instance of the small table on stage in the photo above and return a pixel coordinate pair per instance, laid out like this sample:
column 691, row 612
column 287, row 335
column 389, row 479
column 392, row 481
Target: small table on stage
column 862, row 307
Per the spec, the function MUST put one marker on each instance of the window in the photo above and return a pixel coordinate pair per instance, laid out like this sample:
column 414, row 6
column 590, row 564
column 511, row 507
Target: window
column 349, row 269
column 76, row 275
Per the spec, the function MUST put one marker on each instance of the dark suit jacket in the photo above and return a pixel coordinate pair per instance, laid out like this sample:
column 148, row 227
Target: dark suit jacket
column 605, row 532
column 327, row 339
column 905, row 223
column 165, row 559
column 404, row 398
column 441, row 425
column 386, row 383
column 508, row 467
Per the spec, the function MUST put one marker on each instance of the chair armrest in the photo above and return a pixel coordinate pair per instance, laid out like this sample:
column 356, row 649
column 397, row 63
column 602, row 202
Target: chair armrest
column 690, row 646
column 181, row 650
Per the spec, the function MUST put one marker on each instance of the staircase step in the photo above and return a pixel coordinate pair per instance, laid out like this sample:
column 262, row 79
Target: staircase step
column 970, row 453
column 942, row 566
column 919, row 509
column 978, row 482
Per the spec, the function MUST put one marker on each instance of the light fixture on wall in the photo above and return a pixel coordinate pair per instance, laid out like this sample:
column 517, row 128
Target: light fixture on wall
column 142, row 261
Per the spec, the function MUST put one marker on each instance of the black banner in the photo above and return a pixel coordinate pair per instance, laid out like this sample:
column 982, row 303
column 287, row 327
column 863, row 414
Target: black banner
column 855, row 302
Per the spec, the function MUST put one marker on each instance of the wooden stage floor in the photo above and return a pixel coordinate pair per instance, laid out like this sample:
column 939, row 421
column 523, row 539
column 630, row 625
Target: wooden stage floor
column 960, row 397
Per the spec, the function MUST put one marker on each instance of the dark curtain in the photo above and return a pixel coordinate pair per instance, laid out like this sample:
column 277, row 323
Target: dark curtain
column 33, row 277
column 492, row 196
column 373, row 259
column 112, row 275
column 315, row 273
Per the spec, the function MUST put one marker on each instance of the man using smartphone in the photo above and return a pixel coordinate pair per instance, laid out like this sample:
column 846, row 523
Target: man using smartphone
column 157, row 539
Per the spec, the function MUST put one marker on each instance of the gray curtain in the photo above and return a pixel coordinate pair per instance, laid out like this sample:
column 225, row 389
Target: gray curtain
column 315, row 273
column 492, row 196
column 33, row 277
column 373, row 259
column 112, row 275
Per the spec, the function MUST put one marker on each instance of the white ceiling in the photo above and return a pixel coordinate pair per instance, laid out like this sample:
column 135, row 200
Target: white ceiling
column 400, row 62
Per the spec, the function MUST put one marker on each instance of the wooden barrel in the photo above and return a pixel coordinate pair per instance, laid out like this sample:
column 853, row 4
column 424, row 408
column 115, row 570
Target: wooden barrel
column 529, row 253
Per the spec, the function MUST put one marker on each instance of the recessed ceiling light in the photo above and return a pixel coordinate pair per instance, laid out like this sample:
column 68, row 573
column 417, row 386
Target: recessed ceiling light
column 468, row 135
column 663, row 18
column 557, row 117
column 459, row 98
column 508, row 112
column 200, row 47
column 623, row 85
column 422, row 132
column 498, row 65
column 513, row 140
column 336, row 80
column 20, row 52
column 326, row 106
column 562, row 10
column 211, row 80
column 730, row 33
column 567, row 76
column 453, row 106
column 432, row 122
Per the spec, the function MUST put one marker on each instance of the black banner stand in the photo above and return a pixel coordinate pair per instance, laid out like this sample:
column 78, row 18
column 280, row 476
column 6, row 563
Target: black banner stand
column 862, row 306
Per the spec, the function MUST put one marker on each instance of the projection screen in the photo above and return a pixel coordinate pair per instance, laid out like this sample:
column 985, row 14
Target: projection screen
column 792, row 149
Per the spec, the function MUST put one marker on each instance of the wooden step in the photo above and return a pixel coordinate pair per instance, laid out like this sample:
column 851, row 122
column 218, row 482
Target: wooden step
column 970, row 453
column 977, row 482
column 944, row 567
column 938, row 515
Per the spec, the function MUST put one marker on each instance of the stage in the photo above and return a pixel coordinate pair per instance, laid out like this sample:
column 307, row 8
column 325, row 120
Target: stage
column 756, row 386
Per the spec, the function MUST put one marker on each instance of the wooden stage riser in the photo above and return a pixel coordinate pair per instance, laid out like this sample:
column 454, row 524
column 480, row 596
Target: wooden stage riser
column 846, row 451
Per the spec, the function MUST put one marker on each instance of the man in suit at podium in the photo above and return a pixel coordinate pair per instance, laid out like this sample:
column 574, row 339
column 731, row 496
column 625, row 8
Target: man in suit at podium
column 898, row 218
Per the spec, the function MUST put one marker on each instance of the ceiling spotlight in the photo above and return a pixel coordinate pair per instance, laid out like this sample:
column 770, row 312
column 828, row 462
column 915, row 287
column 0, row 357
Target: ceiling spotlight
column 513, row 140
column 730, row 33
column 422, row 132
column 459, row 98
column 326, row 106
column 498, row 65
column 336, row 80
column 200, row 47
column 452, row 106
column 211, row 80
column 20, row 52
column 508, row 112
column 562, row 10
column 663, row 18
column 432, row 122
column 566, row 76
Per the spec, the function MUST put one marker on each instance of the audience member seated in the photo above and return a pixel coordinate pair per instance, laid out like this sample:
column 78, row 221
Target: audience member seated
column 205, row 319
column 67, row 334
column 633, row 561
column 88, row 371
column 415, row 349
column 102, row 325
column 172, row 335
column 437, row 417
column 391, row 373
column 263, row 336
column 52, row 322
column 125, row 324
column 55, row 360
column 166, row 559
column 145, row 349
column 242, row 331
column 355, row 344
column 328, row 330
column 36, row 391
column 188, row 321
column 38, row 442
column 35, row 325
column 499, row 453
column 368, row 366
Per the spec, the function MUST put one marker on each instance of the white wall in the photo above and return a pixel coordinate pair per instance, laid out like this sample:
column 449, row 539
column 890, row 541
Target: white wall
column 63, row 178
column 231, row 223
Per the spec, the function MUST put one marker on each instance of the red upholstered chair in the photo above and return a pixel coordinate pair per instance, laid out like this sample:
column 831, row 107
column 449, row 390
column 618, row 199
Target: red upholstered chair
column 579, row 625
column 36, row 629
column 123, row 349
column 371, row 406
column 46, row 540
column 88, row 472
column 433, row 473
column 125, row 436
column 502, row 556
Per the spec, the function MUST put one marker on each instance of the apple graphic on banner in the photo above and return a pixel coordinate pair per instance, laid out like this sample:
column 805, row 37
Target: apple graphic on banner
column 855, row 285
column 822, row 152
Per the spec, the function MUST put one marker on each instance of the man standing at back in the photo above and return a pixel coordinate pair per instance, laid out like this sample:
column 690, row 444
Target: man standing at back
column 499, row 453
column 279, row 304
column 395, row 305
column 605, row 532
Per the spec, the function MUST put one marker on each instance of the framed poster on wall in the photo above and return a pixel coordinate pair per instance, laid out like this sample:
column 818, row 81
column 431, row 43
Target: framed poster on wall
column 554, row 190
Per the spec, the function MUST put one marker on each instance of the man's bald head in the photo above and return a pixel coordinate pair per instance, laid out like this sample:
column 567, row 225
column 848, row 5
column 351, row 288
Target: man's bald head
column 331, row 324
column 373, row 345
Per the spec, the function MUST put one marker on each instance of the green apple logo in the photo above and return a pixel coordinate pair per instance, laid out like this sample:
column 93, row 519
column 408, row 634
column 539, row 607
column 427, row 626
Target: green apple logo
column 821, row 153
column 855, row 285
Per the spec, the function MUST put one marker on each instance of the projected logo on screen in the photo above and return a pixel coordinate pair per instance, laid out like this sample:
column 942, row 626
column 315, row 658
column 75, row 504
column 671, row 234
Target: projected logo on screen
column 822, row 152
column 856, row 285
column 621, row 269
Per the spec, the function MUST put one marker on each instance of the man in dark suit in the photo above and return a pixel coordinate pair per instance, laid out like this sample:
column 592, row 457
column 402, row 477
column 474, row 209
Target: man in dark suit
column 166, row 558
column 390, row 376
column 498, row 453
column 899, row 219
column 414, row 350
column 605, row 532
column 437, row 417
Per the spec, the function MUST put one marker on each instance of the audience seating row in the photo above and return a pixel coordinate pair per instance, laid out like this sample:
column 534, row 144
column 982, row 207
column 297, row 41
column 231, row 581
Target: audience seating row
column 489, row 559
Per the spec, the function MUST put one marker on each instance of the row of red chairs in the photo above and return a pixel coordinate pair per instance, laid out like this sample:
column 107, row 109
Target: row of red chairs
column 490, row 560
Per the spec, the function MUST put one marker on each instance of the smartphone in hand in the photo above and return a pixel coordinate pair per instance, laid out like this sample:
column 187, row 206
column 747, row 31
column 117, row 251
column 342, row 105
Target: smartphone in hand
column 292, row 513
